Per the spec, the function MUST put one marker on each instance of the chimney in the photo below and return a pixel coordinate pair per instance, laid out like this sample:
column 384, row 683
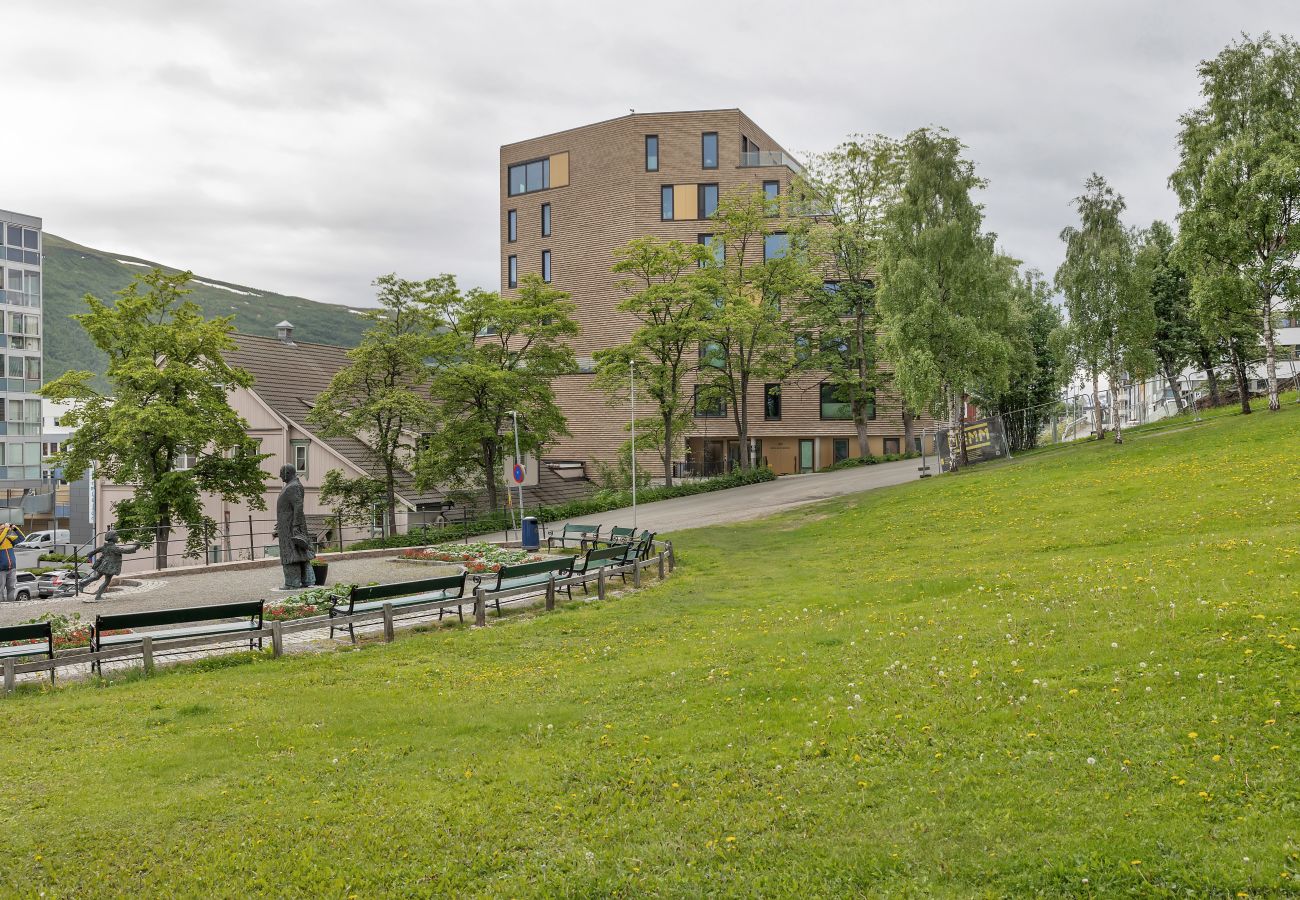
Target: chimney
column 285, row 332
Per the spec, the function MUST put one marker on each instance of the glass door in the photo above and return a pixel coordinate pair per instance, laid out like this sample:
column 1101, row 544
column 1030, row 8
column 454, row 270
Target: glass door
column 805, row 456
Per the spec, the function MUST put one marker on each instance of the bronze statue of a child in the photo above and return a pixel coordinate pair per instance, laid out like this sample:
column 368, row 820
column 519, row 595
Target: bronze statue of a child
column 108, row 565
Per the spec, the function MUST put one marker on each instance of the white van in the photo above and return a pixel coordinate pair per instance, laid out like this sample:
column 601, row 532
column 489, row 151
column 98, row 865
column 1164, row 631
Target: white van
column 45, row 540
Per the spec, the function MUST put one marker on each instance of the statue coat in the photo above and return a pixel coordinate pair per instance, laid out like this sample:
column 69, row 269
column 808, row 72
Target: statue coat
column 291, row 525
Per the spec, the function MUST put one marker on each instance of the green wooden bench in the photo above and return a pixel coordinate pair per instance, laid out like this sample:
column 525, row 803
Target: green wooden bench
column 30, row 635
column 641, row 548
column 249, row 612
column 400, row 594
column 579, row 534
column 619, row 535
column 596, row 559
column 527, row 574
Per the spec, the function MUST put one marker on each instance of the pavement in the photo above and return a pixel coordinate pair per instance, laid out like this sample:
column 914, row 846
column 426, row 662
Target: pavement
column 663, row 517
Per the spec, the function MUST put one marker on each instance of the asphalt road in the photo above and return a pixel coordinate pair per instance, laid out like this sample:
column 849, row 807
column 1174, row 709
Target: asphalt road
column 663, row 517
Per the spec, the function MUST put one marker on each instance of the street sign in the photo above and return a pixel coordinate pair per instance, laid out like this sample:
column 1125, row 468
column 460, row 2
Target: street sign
column 517, row 473
column 522, row 471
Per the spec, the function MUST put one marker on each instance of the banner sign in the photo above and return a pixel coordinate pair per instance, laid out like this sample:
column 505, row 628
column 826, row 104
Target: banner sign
column 984, row 441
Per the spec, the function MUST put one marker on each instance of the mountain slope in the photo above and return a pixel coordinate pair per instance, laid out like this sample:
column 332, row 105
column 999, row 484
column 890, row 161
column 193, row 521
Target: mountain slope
column 72, row 271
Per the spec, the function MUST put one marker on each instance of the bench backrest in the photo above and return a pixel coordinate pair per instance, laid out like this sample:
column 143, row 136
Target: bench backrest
column 597, row 556
column 30, row 631
column 640, row 549
column 407, row 588
column 582, row 529
column 250, row 608
column 618, row 533
column 557, row 565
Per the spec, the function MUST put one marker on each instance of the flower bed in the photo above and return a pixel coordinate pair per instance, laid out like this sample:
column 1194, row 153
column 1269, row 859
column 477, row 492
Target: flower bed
column 315, row 602
column 69, row 631
column 477, row 557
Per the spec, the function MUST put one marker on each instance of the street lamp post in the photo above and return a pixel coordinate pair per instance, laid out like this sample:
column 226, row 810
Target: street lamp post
column 518, row 462
column 631, row 368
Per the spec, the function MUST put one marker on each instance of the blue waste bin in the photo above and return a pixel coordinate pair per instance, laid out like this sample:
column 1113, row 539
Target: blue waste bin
column 531, row 540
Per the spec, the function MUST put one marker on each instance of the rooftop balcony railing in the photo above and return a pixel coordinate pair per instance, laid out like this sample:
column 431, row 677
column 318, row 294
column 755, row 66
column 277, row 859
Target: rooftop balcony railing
column 755, row 158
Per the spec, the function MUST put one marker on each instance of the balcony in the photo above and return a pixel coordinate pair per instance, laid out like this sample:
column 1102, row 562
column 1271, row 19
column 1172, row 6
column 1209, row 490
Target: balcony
column 757, row 158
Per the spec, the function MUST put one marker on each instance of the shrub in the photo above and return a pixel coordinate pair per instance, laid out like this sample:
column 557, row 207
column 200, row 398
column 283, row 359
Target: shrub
column 854, row 461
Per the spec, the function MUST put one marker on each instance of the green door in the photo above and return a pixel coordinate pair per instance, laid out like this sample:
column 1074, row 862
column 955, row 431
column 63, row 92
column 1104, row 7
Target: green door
column 805, row 456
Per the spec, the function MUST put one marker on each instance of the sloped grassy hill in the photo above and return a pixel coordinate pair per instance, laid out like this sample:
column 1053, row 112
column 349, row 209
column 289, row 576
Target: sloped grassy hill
column 1071, row 675
column 72, row 271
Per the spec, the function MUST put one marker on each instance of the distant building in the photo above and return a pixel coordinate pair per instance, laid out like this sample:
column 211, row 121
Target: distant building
column 20, row 350
column 571, row 199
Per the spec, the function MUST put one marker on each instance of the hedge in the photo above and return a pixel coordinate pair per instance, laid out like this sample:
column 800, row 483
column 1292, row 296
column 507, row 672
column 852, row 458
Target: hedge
column 854, row 461
column 599, row 502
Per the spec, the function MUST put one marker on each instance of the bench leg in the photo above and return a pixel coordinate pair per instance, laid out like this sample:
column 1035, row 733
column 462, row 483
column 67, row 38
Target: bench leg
column 352, row 633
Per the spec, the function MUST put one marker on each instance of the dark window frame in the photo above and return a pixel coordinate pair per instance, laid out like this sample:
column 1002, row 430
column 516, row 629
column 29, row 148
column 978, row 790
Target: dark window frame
column 704, row 155
column 546, row 220
column 512, row 271
column 721, row 408
column 772, row 200
column 512, row 226
column 666, row 194
column 772, row 402
column 648, row 139
column 546, row 176
column 700, row 190
column 775, row 234
column 822, row 402
column 546, row 266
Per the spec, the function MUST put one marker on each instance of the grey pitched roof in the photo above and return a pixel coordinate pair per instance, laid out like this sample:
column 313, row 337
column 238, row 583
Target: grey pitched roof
column 289, row 377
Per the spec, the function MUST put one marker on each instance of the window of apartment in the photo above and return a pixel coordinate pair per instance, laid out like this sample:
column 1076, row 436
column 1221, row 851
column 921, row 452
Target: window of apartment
column 532, row 176
column 512, row 225
column 546, row 266
column 300, row 449
column 546, row 220
column 839, row 450
column 711, row 355
column 719, row 249
column 33, row 372
column 652, row 153
column 32, row 410
column 772, row 197
column 893, row 445
column 185, row 460
column 834, row 406
column 666, row 202
column 708, row 404
column 15, row 236
column 512, row 271
column 708, row 200
column 802, row 348
column 772, row 402
column 776, row 245
column 15, row 367
column 709, row 150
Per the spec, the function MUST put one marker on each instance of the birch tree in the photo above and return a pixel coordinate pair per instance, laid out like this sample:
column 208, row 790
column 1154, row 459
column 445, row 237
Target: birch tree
column 943, row 307
column 1238, row 180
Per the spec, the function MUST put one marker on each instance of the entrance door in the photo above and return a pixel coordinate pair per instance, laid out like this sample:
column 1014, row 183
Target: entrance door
column 805, row 456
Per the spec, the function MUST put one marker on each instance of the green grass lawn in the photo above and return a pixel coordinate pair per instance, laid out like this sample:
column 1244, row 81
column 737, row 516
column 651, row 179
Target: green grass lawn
column 1074, row 674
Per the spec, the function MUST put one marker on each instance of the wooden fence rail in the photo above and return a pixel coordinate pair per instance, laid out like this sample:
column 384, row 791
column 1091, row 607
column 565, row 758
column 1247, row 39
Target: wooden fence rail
column 275, row 631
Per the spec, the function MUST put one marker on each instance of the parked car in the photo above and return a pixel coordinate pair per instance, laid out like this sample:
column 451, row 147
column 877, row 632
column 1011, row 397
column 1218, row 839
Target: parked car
column 45, row 540
column 52, row 584
column 27, row 586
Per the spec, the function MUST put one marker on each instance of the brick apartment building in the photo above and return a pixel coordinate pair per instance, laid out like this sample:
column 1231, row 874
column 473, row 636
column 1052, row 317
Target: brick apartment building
column 569, row 200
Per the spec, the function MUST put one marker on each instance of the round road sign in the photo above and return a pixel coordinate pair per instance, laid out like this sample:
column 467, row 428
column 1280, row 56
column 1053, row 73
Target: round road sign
column 518, row 473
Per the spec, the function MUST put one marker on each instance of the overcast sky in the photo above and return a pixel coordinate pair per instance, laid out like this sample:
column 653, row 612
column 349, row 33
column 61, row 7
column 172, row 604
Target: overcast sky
column 306, row 146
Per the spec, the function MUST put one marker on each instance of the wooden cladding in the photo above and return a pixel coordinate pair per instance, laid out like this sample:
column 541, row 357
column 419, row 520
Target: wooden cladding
column 560, row 169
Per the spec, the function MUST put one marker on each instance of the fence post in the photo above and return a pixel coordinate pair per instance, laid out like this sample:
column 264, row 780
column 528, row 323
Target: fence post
column 550, row 592
column 662, row 574
column 388, row 622
column 277, row 639
column 252, row 547
column 340, row 518
column 146, row 650
column 600, row 584
column 636, row 573
column 480, row 606
column 9, row 676
column 672, row 556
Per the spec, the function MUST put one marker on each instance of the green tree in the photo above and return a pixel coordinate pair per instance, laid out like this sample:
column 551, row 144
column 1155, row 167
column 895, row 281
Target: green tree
column 1238, row 180
column 1177, row 339
column 944, row 309
column 495, row 354
column 841, row 200
column 749, row 331
column 354, row 499
column 666, row 297
column 1112, row 324
column 1039, row 366
column 166, row 426
column 381, row 397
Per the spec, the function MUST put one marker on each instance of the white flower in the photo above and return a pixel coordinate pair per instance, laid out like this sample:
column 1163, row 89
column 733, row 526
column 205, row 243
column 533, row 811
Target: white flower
column 1092, row 760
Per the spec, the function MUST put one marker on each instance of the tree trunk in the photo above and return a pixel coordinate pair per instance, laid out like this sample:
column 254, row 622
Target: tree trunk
column 1097, row 427
column 860, row 426
column 1211, row 377
column 668, row 450
column 390, row 514
column 1114, row 407
column 954, row 430
column 162, row 536
column 490, row 474
column 1270, row 361
column 1168, row 365
column 1239, row 373
column 742, row 421
column 909, row 431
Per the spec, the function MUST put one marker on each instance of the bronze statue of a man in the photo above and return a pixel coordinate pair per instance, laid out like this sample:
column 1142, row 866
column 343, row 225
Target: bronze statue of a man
column 296, row 551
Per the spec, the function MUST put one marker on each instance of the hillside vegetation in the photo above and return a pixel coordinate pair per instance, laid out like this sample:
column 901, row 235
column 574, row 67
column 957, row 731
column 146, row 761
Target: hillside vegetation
column 71, row 271
column 1073, row 674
